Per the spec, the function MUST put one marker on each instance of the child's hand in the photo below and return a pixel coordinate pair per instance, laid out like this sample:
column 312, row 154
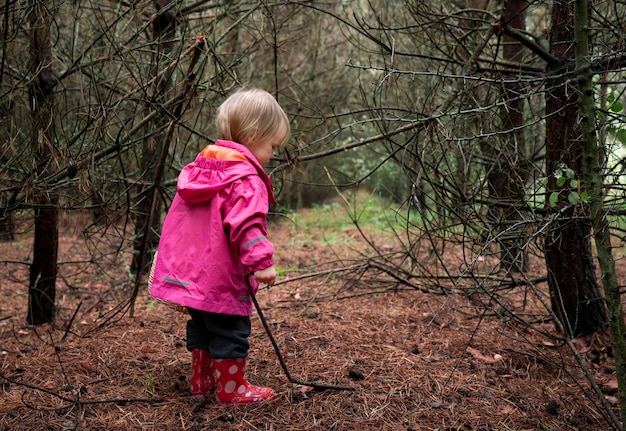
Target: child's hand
column 267, row 275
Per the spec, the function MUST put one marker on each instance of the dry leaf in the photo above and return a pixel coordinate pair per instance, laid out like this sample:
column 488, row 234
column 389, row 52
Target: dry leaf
column 88, row 367
column 479, row 356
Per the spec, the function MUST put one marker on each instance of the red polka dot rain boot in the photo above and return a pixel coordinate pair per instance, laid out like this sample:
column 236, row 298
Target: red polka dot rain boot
column 201, row 381
column 232, row 386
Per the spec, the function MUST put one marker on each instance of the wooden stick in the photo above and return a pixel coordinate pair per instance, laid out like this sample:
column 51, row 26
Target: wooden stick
column 283, row 365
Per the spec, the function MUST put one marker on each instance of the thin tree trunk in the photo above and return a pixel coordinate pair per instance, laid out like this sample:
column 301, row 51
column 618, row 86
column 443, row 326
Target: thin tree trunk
column 574, row 291
column 508, row 172
column 594, row 187
column 146, row 239
column 43, row 270
column 7, row 226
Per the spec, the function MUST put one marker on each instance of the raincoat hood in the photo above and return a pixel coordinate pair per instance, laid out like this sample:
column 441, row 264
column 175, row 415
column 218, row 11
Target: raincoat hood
column 215, row 168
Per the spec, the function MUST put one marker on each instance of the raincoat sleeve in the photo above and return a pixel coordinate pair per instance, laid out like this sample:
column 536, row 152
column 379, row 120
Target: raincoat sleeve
column 245, row 221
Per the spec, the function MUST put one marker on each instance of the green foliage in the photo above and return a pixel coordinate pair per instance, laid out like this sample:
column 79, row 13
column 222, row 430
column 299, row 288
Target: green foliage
column 616, row 107
column 568, row 182
column 566, row 179
column 372, row 167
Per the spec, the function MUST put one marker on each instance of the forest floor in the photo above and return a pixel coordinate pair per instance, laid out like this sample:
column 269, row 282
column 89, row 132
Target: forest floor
column 415, row 360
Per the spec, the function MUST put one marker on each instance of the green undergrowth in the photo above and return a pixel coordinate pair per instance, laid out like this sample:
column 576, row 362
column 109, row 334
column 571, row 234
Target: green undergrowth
column 343, row 219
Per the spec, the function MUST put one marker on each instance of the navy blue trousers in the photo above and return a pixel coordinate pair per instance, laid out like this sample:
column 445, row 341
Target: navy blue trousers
column 225, row 336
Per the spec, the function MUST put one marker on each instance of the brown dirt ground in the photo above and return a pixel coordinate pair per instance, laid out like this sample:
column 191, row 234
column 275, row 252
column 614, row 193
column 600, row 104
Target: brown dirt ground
column 416, row 361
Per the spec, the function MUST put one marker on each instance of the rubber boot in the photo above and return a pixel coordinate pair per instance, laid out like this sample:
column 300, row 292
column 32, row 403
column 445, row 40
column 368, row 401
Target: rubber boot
column 201, row 381
column 232, row 386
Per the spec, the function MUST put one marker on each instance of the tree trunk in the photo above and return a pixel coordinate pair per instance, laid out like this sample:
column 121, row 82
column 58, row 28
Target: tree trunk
column 575, row 295
column 507, row 176
column 43, row 270
column 7, row 199
column 147, row 221
column 594, row 187
column 7, row 226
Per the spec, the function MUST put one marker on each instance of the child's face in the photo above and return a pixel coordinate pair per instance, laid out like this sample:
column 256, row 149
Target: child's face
column 263, row 151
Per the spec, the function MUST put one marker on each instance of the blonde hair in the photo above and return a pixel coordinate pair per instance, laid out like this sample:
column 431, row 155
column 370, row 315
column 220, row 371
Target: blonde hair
column 252, row 115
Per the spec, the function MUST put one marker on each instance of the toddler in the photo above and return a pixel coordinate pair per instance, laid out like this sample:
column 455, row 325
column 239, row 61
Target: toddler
column 214, row 236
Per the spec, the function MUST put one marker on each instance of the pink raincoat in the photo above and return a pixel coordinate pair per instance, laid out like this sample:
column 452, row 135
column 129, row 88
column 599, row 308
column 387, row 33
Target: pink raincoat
column 215, row 232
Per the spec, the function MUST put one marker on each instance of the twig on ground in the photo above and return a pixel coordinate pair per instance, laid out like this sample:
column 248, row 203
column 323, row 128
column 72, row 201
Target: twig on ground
column 279, row 354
